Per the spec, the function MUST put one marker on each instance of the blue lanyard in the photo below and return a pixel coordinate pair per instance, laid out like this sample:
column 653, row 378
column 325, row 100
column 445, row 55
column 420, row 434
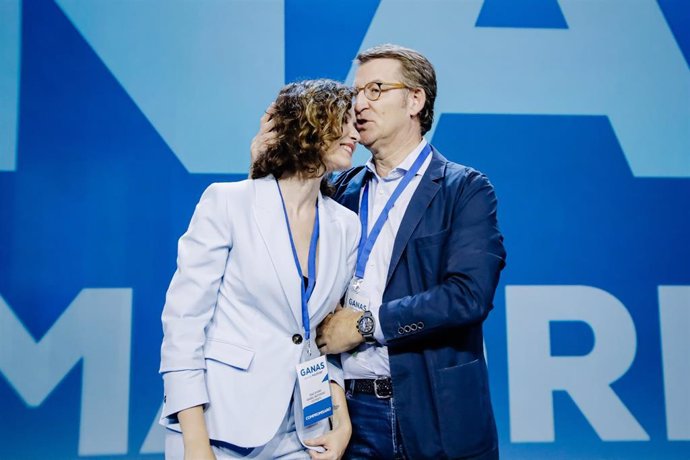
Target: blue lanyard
column 366, row 243
column 311, row 264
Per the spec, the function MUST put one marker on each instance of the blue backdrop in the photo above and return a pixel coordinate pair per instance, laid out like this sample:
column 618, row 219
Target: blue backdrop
column 114, row 116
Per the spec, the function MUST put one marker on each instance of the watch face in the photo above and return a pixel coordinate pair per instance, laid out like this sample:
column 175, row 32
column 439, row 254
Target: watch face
column 366, row 324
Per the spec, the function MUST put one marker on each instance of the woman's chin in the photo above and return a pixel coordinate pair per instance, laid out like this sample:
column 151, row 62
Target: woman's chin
column 340, row 166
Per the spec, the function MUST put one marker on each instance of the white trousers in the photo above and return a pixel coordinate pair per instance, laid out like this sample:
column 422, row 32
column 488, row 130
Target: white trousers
column 285, row 445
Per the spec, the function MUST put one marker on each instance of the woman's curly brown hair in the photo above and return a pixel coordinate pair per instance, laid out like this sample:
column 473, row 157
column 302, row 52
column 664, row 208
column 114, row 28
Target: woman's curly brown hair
column 308, row 117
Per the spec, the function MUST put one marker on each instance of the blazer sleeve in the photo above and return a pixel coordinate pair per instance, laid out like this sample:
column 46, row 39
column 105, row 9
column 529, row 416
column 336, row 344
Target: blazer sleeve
column 470, row 265
column 190, row 302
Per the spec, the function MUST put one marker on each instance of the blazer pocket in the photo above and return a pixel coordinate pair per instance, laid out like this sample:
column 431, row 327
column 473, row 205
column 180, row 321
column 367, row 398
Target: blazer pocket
column 464, row 409
column 228, row 353
column 426, row 259
column 431, row 240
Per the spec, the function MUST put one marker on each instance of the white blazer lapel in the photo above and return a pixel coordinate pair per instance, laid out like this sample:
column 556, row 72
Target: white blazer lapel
column 329, row 255
column 270, row 220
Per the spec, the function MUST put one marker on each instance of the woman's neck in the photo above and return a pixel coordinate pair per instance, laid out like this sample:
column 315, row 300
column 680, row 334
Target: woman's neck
column 300, row 195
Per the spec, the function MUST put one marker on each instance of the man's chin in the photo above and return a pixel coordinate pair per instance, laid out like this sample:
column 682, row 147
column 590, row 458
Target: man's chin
column 365, row 141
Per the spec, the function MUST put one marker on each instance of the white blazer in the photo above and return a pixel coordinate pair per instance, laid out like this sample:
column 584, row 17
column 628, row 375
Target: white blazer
column 234, row 305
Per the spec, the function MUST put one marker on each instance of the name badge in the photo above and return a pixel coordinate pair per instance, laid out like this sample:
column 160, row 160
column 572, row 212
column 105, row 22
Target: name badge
column 356, row 297
column 315, row 390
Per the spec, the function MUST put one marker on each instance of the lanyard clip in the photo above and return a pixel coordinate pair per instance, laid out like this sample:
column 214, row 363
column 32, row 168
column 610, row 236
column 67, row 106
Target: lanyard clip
column 357, row 284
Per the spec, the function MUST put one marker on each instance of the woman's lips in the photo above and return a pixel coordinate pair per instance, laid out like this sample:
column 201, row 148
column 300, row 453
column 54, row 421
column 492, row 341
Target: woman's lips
column 350, row 146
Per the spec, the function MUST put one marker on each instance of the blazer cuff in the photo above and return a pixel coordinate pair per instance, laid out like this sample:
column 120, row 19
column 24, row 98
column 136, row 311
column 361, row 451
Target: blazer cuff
column 335, row 370
column 183, row 389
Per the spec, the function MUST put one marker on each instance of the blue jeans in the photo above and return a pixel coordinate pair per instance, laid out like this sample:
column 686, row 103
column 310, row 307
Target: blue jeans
column 375, row 431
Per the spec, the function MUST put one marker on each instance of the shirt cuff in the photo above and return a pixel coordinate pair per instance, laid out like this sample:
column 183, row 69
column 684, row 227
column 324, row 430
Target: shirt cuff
column 378, row 331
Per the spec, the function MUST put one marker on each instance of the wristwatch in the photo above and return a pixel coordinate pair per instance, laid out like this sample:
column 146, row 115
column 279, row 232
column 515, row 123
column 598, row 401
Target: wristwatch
column 366, row 326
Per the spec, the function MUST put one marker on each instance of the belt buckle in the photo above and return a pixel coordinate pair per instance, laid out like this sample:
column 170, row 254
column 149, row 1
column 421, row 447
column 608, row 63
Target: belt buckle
column 385, row 394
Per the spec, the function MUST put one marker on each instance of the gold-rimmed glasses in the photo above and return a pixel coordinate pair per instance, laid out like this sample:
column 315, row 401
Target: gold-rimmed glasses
column 373, row 89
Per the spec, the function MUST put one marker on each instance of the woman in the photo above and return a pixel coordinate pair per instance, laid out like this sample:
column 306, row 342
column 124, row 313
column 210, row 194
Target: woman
column 262, row 263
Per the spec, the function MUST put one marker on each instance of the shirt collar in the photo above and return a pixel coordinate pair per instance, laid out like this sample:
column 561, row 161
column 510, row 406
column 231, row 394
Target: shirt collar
column 402, row 168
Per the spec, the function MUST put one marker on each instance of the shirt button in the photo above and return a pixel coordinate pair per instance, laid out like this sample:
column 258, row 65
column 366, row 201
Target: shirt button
column 296, row 339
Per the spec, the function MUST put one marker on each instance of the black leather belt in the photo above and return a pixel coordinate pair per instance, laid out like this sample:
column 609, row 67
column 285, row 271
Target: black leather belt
column 382, row 388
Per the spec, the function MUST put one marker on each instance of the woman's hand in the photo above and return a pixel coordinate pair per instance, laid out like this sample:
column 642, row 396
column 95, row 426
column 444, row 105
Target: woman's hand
column 335, row 441
column 199, row 453
column 197, row 445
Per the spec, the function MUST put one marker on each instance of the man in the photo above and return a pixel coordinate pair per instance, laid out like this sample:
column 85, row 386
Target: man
column 428, row 265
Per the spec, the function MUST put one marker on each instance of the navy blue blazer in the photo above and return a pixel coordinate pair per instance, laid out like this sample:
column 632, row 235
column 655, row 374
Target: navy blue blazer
column 446, row 261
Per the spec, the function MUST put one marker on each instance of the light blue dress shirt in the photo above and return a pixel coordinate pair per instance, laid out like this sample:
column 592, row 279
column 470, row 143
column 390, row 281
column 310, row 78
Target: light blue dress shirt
column 370, row 361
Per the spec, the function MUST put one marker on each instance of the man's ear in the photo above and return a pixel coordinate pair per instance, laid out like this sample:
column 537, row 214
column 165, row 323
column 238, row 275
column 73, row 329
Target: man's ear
column 416, row 100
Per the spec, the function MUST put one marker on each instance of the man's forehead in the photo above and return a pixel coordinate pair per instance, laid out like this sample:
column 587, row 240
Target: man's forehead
column 384, row 69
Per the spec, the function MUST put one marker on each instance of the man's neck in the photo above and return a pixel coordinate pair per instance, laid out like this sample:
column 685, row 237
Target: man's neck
column 388, row 158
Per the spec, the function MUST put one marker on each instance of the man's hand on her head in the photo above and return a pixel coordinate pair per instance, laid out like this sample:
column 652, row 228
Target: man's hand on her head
column 266, row 136
column 338, row 331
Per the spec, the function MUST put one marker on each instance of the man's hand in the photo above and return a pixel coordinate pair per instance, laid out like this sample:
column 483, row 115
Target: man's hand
column 338, row 331
column 265, row 137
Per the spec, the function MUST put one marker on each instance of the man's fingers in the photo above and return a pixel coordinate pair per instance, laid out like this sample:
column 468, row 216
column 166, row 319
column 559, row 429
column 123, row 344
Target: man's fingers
column 268, row 116
column 322, row 345
column 267, row 125
column 270, row 110
column 325, row 321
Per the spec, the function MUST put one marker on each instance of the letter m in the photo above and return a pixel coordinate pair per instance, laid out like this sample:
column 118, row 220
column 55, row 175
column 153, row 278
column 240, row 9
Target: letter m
column 95, row 329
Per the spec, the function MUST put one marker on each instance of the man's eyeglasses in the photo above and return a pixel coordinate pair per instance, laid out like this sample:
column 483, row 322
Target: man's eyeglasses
column 373, row 89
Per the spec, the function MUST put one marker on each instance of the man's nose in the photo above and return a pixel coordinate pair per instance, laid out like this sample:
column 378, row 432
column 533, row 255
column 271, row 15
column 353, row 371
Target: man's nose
column 361, row 102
